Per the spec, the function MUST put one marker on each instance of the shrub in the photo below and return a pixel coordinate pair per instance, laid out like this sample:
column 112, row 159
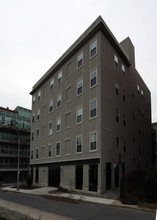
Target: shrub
column 29, row 180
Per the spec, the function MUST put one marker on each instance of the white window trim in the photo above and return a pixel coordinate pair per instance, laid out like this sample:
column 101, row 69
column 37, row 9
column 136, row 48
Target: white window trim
column 81, row 79
column 36, row 153
column 49, row 128
column 81, row 143
column 79, row 58
column 60, row 73
column 51, row 84
column 93, row 132
column 90, row 109
column 36, row 134
column 39, row 95
column 116, row 61
column 58, row 124
column 59, row 94
column 48, row 151
column 79, row 107
column 58, row 142
column 95, row 69
column 51, row 102
column 90, row 48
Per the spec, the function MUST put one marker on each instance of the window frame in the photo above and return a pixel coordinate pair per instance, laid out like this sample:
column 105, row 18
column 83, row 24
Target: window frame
column 37, row 134
column 81, row 146
column 96, row 77
column 80, row 81
column 58, row 124
column 90, row 142
column 59, row 100
column 93, row 48
column 49, row 151
column 94, row 109
column 58, row 150
column 59, row 78
column 79, row 115
column 39, row 96
column 80, row 60
column 116, row 63
column 51, row 106
column 51, row 84
column 123, row 71
column 50, row 130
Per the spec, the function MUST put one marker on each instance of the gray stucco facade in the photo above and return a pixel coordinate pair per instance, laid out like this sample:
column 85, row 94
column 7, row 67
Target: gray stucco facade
column 91, row 115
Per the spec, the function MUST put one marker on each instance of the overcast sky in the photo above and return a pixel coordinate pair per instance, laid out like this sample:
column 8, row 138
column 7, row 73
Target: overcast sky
column 35, row 33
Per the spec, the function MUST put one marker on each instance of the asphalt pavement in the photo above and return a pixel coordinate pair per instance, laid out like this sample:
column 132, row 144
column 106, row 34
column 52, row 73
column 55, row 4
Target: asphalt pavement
column 51, row 192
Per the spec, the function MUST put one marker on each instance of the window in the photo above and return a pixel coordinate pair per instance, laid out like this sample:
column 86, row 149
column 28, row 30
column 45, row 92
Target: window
column 31, row 154
column 39, row 95
column 124, row 95
column 49, row 151
column 117, row 88
column 117, row 143
column 51, row 84
column 116, row 62
column 33, row 100
column 37, row 154
column 58, row 124
column 124, row 119
column 32, row 136
column 59, row 100
column 124, row 145
column 51, row 106
column 33, row 118
column 123, row 71
column 138, row 89
column 37, row 134
column 50, row 128
column 79, row 144
column 59, row 78
column 58, row 149
column 93, row 78
column 38, row 114
column 142, row 93
column 79, row 87
column 93, row 108
column 93, row 141
column 79, row 115
column 80, row 60
column 117, row 115
column 93, row 48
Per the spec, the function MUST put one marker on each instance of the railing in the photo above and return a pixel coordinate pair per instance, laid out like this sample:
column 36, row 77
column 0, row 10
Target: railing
column 14, row 139
column 13, row 165
column 11, row 152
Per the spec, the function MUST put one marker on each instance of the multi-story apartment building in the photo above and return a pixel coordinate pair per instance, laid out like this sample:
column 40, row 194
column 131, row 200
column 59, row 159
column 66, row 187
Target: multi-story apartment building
column 14, row 142
column 91, row 115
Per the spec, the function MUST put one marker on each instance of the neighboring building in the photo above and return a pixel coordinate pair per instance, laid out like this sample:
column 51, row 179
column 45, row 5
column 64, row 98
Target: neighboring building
column 14, row 124
column 154, row 141
column 91, row 115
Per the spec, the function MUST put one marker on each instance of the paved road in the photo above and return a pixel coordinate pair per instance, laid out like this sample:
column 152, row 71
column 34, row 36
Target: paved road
column 82, row 211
